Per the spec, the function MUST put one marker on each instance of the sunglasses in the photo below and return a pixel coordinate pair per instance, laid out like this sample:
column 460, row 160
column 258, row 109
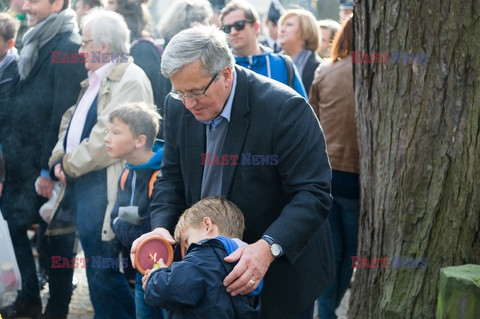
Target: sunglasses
column 238, row 25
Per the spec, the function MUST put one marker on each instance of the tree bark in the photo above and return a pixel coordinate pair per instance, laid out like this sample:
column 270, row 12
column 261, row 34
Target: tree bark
column 419, row 136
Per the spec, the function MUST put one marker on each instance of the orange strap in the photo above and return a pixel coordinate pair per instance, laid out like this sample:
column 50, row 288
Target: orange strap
column 152, row 181
column 123, row 179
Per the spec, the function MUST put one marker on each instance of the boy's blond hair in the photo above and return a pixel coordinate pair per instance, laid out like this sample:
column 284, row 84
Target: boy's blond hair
column 140, row 118
column 8, row 27
column 223, row 213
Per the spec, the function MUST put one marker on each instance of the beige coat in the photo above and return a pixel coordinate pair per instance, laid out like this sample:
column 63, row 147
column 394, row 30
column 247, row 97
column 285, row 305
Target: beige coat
column 333, row 100
column 125, row 83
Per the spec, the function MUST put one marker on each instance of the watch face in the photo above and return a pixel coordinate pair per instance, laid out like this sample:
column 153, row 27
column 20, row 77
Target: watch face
column 275, row 249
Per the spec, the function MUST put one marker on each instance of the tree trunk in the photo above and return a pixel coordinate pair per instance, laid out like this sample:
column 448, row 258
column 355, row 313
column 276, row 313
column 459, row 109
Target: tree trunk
column 419, row 137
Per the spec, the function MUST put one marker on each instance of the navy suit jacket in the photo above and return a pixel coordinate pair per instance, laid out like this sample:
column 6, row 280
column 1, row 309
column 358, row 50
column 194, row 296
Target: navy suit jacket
column 288, row 201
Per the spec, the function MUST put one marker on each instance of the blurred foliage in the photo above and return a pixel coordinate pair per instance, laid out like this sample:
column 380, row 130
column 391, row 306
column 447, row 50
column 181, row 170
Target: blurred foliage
column 322, row 9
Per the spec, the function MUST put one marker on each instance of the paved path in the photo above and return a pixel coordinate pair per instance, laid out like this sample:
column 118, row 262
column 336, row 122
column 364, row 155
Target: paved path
column 81, row 308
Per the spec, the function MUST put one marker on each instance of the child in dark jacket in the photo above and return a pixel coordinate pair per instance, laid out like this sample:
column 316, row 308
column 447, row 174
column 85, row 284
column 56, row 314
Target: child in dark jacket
column 9, row 76
column 131, row 134
column 8, row 80
column 193, row 288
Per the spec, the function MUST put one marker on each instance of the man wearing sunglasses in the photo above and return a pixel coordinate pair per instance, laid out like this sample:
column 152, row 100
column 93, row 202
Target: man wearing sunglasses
column 233, row 113
column 240, row 22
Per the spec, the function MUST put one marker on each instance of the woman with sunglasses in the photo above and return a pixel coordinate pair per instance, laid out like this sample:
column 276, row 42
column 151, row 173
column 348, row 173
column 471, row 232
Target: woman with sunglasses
column 298, row 37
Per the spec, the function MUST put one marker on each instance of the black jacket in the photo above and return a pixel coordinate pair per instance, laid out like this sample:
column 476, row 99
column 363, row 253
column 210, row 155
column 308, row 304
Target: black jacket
column 8, row 83
column 193, row 288
column 148, row 55
column 309, row 71
column 41, row 99
column 288, row 200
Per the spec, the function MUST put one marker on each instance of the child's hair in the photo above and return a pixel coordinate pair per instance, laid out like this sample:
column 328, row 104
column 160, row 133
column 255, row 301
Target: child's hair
column 8, row 27
column 223, row 213
column 141, row 118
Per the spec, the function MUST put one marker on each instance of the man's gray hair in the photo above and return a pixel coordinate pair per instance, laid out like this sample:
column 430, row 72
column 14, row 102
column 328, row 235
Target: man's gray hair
column 108, row 27
column 208, row 44
column 183, row 14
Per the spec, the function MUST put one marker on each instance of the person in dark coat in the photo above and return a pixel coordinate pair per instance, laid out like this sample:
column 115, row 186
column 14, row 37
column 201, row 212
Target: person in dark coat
column 275, row 11
column 45, row 91
column 145, row 50
column 231, row 132
column 8, row 71
column 298, row 36
column 209, row 230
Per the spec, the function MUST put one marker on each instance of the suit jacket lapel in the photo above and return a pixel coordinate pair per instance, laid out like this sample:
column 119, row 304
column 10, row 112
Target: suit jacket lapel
column 194, row 147
column 237, row 129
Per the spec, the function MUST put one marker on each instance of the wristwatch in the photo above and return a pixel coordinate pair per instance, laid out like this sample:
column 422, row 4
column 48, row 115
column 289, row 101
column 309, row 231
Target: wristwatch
column 275, row 249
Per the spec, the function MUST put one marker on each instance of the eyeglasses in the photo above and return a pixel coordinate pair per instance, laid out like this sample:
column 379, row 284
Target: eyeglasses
column 193, row 95
column 238, row 25
column 84, row 43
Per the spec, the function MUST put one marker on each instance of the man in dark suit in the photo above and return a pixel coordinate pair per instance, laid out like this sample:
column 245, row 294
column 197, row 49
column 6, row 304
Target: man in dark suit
column 233, row 133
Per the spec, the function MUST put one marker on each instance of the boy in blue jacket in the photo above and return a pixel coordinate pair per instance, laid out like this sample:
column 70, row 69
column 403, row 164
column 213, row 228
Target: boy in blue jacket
column 131, row 134
column 193, row 288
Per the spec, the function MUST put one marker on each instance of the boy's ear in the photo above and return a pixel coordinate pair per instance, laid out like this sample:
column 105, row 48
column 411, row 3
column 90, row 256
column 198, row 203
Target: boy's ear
column 141, row 141
column 208, row 224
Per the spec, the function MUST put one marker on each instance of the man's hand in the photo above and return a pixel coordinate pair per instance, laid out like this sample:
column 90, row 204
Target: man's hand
column 60, row 174
column 45, row 187
column 253, row 263
column 160, row 231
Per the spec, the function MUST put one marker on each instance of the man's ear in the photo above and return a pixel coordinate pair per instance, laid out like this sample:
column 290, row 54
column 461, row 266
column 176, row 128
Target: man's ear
column 10, row 43
column 57, row 5
column 256, row 26
column 227, row 73
column 106, row 46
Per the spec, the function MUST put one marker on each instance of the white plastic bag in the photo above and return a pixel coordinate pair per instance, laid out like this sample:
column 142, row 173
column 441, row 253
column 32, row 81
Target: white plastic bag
column 47, row 209
column 10, row 279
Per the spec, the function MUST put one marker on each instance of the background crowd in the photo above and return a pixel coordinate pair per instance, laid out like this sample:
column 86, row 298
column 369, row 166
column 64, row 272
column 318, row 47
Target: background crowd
column 54, row 115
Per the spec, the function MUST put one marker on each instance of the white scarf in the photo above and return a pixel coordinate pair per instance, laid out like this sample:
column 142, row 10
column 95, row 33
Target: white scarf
column 37, row 36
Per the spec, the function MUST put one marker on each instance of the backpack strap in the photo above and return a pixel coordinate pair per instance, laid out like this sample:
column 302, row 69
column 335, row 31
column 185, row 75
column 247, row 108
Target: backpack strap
column 152, row 181
column 123, row 179
column 289, row 64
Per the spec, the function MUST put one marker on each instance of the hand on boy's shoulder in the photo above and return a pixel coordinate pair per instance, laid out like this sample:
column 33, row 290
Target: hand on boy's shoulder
column 253, row 263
